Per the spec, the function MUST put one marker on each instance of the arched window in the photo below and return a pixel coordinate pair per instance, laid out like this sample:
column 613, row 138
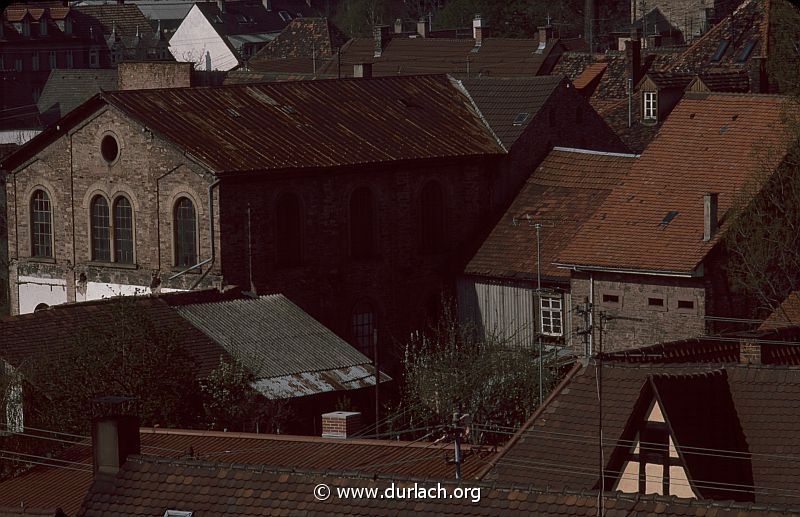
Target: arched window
column 101, row 230
column 41, row 307
column 289, row 230
column 362, row 224
column 123, row 231
column 363, row 327
column 185, row 225
column 41, row 225
column 432, row 218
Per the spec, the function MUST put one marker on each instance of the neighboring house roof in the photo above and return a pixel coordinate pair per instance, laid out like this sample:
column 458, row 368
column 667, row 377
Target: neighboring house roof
column 557, row 447
column 126, row 19
column 303, row 39
column 64, row 480
column 636, row 135
column 787, row 314
column 290, row 353
column 710, row 143
column 653, row 22
column 65, row 90
column 561, row 194
column 589, row 78
column 668, row 80
column 17, row 109
column 502, row 102
column 736, row 81
column 251, row 17
column 496, row 57
column 146, row 486
column 303, row 124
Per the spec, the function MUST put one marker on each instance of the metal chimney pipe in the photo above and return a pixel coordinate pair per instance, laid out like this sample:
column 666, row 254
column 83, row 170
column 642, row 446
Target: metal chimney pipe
column 710, row 220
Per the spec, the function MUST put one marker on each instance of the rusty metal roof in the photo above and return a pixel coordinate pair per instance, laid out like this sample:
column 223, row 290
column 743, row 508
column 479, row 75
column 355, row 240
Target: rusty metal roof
column 308, row 124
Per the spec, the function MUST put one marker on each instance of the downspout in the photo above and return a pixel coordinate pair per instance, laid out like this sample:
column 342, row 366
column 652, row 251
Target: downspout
column 591, row 314
column 212, row 259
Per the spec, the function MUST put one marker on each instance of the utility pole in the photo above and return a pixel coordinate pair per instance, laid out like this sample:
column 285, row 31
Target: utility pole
column 377, row 381
column 585, row 310
column 459, row 428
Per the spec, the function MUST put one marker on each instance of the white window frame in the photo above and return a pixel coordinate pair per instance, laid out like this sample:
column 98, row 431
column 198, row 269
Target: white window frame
column 554, row 307
column 650, row 105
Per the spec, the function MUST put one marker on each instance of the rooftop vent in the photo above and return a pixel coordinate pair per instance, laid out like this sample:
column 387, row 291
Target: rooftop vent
column 668, row 218
column 178, row 513
column 520, row 119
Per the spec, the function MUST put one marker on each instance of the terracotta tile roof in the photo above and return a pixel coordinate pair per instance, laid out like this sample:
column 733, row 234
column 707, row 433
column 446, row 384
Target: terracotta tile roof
column 715, row 143
column 321, row 123
column 557, row 447
column 788, row 313
column 670, row 79
column 294, row 48
column 126, row 19
column 589, row 76
column 148, row 486
column 562, row 193
column 501, row 101
column 636, row 136
column 49, row 486
column 736, row 81
column 496, row 57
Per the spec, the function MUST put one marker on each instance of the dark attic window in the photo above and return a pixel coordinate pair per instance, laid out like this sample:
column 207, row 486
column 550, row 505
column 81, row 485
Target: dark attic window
column 723, row 46
column 743, row 54
column 668, row 218
column 520, row 119
column 109, row 148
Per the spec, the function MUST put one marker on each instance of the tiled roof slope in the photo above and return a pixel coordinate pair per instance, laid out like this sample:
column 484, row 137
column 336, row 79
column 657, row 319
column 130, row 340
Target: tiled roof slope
column 788, row 313
column 43, row 332
column 557, row 447
column 274, row 335
column 562, row 193
column 48, row 486
column 148, row 486
column 250, row 16
column 496, row 57
column 313, row 123
column 304, row 38
column 125, row 19
column 500, row 101
column 65, row 90
column 714, row 143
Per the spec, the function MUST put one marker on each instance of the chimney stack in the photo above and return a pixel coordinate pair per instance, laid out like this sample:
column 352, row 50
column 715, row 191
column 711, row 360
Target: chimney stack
column 589, row 24
column 398, row 26
column 709, row 215
column 340, row 424
column 480, row 30
column 422, row 28
column 363, row 70
column 749, row 353
column 267, row 5
column 633, row 50
column 382, row 37
column 545, row 35
column 114, row 438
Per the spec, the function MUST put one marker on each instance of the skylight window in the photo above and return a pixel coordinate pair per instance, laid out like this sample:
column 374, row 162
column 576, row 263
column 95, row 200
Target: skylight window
column 520, row 119
column 723, row 46
column 668, row 218
column 232, row 113
column 743, row 54
column 285, row 16
column 178, row 513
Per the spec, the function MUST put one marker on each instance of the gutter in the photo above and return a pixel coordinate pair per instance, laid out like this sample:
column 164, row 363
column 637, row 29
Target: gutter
column 212, row 259
column 697, row 272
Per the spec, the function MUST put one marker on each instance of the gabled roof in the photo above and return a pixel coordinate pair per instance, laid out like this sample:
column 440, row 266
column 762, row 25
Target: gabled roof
column 64, row 480
column 561, row 194
column 303, row 37
column 303, row 124
column 736, row 81
column 557, row 447
column 65, row 90
column 652, row 20
column 664, row 80
column 787, row 314
column 496, row 57
column 125, row 19
column 713, row 143
column 502, row 102
column 251, row 17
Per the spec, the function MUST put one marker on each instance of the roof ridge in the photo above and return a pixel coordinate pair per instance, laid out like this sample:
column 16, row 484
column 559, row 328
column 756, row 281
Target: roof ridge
column 594, row 152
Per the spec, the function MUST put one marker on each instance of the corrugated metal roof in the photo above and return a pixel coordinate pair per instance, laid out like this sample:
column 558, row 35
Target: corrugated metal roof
column 309, row 124
column 310, row 383
column 273, row 336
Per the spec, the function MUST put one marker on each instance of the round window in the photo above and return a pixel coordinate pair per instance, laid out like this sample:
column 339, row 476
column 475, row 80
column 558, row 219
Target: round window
column 109, row 148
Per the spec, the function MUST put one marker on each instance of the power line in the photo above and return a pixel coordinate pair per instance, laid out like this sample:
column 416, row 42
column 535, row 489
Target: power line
column 46, row 464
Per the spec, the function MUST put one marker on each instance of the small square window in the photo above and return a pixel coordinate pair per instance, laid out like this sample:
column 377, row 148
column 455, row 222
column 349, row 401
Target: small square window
column 686, row 304
column 655, row 302
column 610, row 298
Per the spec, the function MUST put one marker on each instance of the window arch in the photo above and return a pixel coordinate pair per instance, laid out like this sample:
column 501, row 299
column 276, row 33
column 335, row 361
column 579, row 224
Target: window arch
column 362, row 327
column 41, row 225
column 123, row 231
column 185, row 228
column 41, row 307
column 432, row 217
column 289, row 230
column 362, row 223
column 101, row 229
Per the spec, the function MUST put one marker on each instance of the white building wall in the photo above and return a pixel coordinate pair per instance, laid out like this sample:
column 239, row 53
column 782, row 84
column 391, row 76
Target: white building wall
column 195, row 38
column 34, row 290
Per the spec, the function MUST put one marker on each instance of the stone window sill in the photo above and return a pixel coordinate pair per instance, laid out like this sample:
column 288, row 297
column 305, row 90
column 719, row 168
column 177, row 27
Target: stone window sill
column 112, row 265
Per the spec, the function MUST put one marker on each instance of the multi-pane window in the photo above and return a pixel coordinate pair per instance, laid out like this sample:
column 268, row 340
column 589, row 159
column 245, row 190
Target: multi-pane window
column 41, row 225
column 101, row 230
column 94, row 58
column 363, row 328
column 185, row 226
column 650, row 105
column 289, row 230
column 123, row 231
column 362, row 224
column 551, row 316
column 432, row 218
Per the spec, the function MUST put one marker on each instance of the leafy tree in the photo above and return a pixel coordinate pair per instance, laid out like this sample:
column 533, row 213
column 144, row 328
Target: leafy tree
column 454, row 368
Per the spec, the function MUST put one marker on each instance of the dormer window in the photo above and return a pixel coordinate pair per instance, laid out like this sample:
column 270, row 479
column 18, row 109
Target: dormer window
column 285, row 16
column 650, row 106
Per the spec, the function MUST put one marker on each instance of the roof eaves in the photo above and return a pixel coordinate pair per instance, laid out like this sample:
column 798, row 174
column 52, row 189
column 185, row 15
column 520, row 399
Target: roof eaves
column 613, row 269
column 459, row 85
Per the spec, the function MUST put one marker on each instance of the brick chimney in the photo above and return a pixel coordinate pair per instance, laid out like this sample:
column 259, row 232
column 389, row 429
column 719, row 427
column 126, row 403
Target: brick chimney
column 633, row 51
column 363, row 70
column 422, row 28
column 709, row 215
column 480, row 30
column 340, row 424
column 382, row 37
column 114, row 438
column 749, row 353
column 545, row 34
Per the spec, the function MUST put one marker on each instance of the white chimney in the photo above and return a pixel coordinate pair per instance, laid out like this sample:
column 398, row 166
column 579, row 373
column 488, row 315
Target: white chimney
column 340, row 424
column 113, row 440
column 710, row 220
column 480, row 30
column 267, row 4
column 363, row 70
column 422, row 28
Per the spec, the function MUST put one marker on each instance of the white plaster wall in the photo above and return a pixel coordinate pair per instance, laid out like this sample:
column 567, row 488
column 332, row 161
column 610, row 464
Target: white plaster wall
column 17, row 136
column 98, row 291
column 34, row 290
column 195, row 37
